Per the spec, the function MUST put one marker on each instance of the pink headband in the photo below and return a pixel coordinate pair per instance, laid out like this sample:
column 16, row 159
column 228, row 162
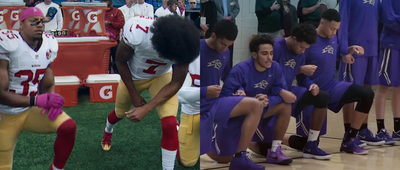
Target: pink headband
column 30, row 12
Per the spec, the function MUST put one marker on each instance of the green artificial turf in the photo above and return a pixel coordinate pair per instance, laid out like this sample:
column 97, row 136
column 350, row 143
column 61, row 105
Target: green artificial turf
column 134, row 145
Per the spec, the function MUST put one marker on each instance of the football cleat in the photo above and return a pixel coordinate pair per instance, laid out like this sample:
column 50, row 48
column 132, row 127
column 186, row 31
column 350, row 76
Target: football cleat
column 106, row 142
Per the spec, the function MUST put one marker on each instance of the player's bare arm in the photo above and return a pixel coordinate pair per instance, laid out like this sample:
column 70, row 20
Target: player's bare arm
column 213, row 91
column 169, row 90
column 178, row 77
column 354, row 49
column 314, row 89
column 47, row 83
column 263, row 98
column 239, row 93
column 7, row 97
column 287, row 96
column 124, row 53
column 308, row 70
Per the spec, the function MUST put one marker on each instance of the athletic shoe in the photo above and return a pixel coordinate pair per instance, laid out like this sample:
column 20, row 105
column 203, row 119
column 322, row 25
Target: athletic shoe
column 351, row 147
column 106, row 142
column 396, row 135
column 384, row 135
column 278, row 157
column 359, row 143
column 366, row 136
column 244, row 162
column 356, row 140
column 311, row 150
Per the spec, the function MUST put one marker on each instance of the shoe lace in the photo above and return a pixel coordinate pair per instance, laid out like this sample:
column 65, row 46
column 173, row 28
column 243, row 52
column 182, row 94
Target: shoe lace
column 248, row 156
column 385, row 133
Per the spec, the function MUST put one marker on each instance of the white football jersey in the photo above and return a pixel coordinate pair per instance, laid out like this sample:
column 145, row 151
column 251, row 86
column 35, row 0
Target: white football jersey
column 26, row 66
column 189, row 94
column 145, row 62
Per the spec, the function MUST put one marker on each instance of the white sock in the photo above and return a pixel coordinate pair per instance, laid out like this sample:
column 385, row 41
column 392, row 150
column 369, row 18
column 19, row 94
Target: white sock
column 275, row 144
column 313, row 135
column 109, row 127
column 168, row 159
column 55, row 168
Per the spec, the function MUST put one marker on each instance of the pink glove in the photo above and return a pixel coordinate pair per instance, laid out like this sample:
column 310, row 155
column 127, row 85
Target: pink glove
column 53, row 112
column 49, row 100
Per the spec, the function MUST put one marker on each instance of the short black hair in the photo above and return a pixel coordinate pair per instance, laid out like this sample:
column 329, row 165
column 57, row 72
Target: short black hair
column 305, row 33
column 172, row 2
column 176, row 38
column 331, row 15
column 258, row 40
column 226, row 29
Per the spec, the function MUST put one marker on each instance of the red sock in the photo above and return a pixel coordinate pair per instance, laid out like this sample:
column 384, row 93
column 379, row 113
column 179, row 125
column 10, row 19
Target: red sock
column 112, row 117
column 64, row 143
column 169, row 139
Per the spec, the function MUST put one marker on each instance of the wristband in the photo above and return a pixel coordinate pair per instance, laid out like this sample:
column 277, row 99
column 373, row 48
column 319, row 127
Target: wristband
column 32, row 101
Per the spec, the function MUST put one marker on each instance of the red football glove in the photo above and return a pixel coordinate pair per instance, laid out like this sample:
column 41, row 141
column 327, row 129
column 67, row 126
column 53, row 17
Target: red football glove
column 49, row 100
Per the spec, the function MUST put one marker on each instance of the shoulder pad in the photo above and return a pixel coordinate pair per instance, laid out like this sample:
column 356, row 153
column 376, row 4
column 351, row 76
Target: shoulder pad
column 9, row 40
column 136, row 29
column 51, row 41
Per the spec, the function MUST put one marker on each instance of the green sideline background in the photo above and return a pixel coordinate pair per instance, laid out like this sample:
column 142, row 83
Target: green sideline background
column 135, row 146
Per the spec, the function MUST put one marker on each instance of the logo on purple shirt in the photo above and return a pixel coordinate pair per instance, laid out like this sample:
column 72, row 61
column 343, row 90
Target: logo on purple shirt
column 216, row 64
column 291, row 63
column 328, row 49
column 263, row 84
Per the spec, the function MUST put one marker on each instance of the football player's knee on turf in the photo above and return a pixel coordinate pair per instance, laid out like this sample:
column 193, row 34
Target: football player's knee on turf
column 169, row 140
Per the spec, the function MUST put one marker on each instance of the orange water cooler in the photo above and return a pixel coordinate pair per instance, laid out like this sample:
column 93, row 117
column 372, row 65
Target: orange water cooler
column 93, row 18
column 103, row 87
column 82, row 56
column 9, row 14
column 73, row 21
column 67, row 87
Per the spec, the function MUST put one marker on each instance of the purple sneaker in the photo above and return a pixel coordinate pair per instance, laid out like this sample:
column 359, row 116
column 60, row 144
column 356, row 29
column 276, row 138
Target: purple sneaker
column 359, row 143
column 278, row 157
column 244, row 162
column 351, row 147
column 311, row 150
column 384, row 135
column 366, row 136
column 396, row 135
